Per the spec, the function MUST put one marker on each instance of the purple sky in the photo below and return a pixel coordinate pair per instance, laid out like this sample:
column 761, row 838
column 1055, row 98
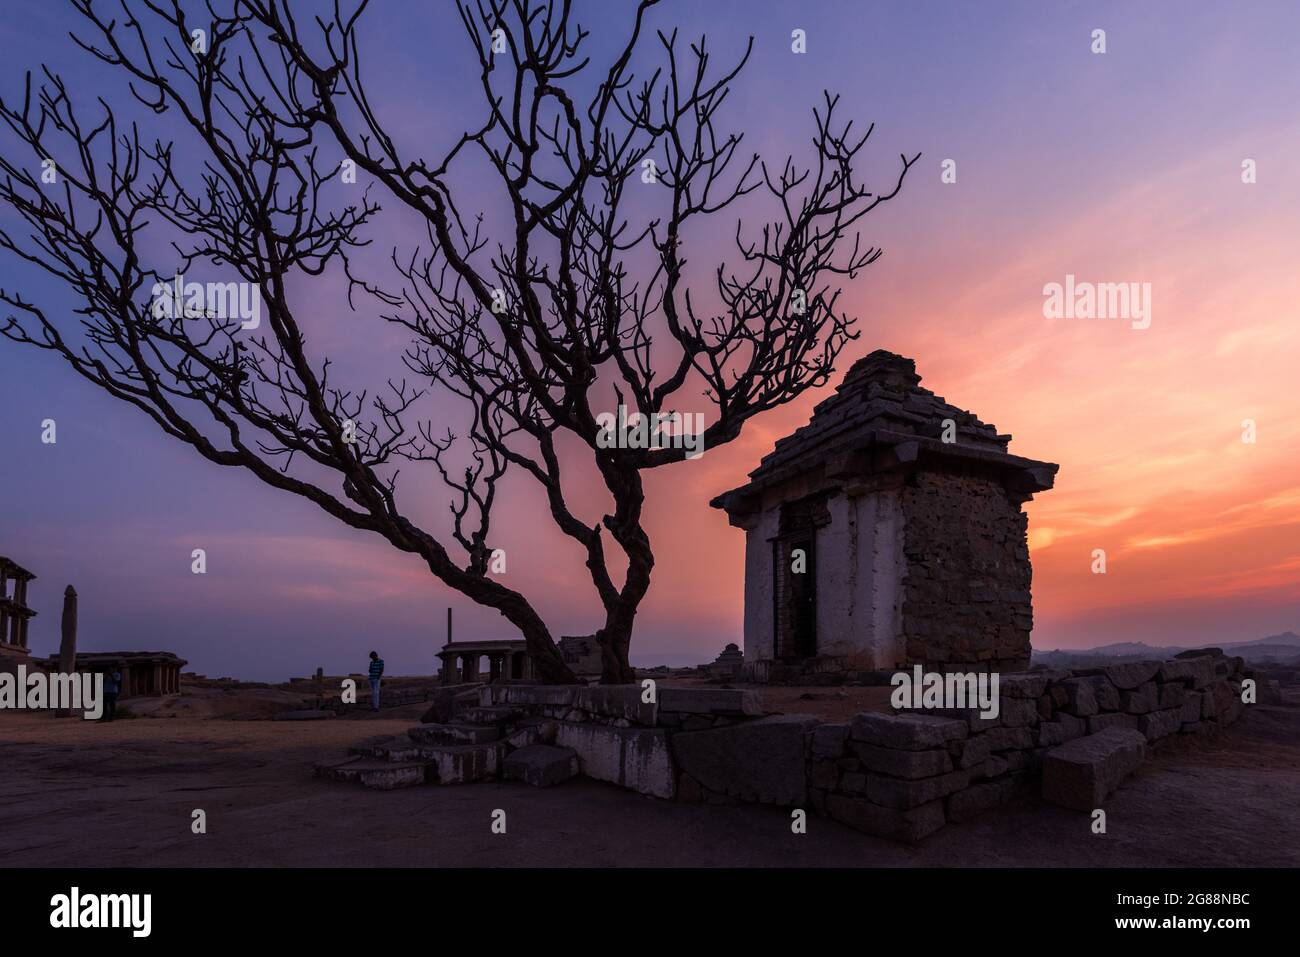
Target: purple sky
column 1124, row 166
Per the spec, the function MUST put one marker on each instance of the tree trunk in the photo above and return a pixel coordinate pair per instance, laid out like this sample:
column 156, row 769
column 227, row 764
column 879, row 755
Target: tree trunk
column 614, row 666
column 548, row 665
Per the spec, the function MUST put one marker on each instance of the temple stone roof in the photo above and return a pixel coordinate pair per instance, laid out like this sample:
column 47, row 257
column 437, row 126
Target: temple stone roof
column 881, row 403
column 12, row 569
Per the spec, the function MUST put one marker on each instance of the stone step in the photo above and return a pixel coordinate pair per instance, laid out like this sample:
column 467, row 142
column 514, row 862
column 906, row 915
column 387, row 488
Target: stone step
column 541, row 765
column 463, row 764
column 454, row 733
column 388, row 748
column 488, row 714
column 377, row 774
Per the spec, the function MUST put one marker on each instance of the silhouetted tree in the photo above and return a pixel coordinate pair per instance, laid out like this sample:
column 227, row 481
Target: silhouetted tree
column 571, row 311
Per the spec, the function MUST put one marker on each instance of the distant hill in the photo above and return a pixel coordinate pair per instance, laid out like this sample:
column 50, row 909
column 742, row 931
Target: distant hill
column 1280, row 647
column 1289, row 638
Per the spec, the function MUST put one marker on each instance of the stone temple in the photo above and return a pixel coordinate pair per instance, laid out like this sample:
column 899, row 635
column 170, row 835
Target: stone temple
column 886, row 533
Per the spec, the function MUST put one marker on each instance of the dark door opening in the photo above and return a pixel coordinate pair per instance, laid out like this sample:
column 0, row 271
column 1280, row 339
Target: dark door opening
column 801, row 603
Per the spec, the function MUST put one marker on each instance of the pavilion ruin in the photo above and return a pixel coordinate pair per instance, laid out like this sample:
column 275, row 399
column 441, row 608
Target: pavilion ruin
column 144, row 673
column 15, row 614
column 885, row 533
column 507, row 659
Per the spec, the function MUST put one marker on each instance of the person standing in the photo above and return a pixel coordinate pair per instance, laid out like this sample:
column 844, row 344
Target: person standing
column 112, row 688
column 376, row 672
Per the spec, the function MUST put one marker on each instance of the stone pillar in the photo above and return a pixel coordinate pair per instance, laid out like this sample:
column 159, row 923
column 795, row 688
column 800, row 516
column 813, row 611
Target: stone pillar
column 494, row 668
column 470, row 667
column 68, row 637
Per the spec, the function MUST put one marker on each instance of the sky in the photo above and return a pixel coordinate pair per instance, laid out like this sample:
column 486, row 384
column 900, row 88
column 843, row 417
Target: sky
column 1122, row 166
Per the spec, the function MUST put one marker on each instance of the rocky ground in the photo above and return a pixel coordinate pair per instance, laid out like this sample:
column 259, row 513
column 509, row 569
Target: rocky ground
column 84, row 794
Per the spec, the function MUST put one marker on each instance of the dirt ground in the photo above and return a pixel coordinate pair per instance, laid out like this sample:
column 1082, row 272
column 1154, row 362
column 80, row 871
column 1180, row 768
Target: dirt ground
column 84, row 794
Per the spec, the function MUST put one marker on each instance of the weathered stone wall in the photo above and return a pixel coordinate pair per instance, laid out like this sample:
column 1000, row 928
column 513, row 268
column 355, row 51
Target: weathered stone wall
column 901, row 776
column 904, row 776
column 859, row 567
column 966, row 601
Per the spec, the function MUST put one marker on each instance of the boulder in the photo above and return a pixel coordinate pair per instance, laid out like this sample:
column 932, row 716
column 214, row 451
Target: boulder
column 1018, row 712
column 972, row 752
column 1131, row 674
column 1081, row 773
column 1065, row 728
column 1024, row 684
column 1105, row 692
column 1081, row 701
column 759, row 761
column 1158, row 724
column 1194, row 672
column 1140, row 700
column 1223, row 698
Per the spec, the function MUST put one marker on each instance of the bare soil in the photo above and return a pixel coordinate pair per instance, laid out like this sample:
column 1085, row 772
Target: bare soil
column 83, row 794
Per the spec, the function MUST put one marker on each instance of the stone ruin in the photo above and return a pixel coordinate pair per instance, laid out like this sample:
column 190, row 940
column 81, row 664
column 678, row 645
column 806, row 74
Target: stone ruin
column 15, row 613
column 885, row 533
column 144, row 673
column 1071, row 736
column 581, row 654
column 729, row 665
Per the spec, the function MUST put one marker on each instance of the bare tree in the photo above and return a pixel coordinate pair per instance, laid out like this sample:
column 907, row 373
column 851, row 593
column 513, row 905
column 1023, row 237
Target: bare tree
column 570, row 311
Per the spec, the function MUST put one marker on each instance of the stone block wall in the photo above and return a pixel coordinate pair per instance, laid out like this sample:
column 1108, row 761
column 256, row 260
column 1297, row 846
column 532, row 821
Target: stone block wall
column 905, row 775
column 901, row 776
column 966, row 600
